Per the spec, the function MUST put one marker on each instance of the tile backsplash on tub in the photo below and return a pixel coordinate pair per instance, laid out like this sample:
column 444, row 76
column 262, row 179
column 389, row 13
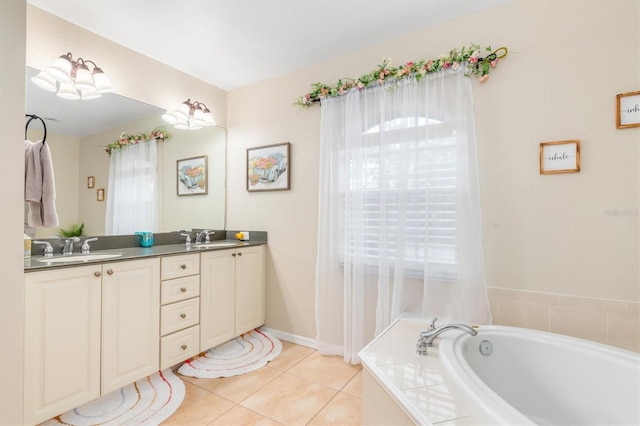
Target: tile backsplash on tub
column 614, row 322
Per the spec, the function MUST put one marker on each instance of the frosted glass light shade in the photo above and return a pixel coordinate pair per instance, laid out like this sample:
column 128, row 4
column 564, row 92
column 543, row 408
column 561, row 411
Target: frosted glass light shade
column 61, row 69
column 102, row 83
column 89, row 94
column 198, row 118
column 84, row 81
column 169, row 117
column 208, row 118
column 67, row 91
column 44, row 81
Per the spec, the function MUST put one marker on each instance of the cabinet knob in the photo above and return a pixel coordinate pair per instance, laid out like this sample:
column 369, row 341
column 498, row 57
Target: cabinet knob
column 184, row 347
column 183, row 289
column 97, row 273
column 240, row 254
column 183, row 316
column 183, row 266
column 234, row 255
column 109, row 271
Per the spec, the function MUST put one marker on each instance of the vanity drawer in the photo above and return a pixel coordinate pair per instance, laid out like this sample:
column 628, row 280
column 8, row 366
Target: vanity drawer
column 179, row 289
column 180, row 346
column 179, row 266
column 179, row 315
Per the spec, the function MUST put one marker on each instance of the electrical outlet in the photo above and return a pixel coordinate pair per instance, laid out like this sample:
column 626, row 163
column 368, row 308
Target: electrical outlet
column 245, row 235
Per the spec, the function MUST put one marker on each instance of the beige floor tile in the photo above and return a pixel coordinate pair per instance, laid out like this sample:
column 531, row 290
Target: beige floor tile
column 242, row 416
column 289, row 400
column 291, row 355
column 237, row 388
column 331, row 371
column 343, row 409
column 354, row 387
column 200, row 407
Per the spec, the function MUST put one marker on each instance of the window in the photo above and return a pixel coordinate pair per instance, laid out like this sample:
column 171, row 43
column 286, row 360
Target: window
column 406, row 190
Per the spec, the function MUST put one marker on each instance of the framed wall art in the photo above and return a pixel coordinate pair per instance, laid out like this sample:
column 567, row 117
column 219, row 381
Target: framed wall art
column 192, row 176
column 560, row 157
column 100, row 194
column 91, row 181
column 628, row 110
column 269, row 167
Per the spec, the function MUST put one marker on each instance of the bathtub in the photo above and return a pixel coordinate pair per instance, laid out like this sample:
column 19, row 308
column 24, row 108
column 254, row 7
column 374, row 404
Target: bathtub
column 532, row 377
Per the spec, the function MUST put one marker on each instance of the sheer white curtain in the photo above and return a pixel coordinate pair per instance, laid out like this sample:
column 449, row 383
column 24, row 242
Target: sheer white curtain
column 399, row 211
column 132, row 194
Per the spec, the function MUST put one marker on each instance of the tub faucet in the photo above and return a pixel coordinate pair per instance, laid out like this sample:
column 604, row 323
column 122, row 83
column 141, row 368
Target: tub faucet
column 427, row 337
column 67, row 250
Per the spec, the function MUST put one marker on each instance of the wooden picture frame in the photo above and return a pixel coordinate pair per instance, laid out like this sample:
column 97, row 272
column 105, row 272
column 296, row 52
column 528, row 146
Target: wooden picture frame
column 100, row 194
column 192, row 176
column 628, row 110
column 91, row 181
column 269, row 168
column 560, row 157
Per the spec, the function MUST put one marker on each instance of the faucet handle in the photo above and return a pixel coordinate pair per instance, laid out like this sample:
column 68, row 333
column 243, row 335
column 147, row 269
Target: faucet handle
column 85, row 245
column 432, row 326
column 187, row 242
column 48, row 250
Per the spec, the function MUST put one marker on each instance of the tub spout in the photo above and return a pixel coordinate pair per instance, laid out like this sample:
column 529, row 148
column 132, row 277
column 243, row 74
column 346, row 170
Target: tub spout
column 427, row 337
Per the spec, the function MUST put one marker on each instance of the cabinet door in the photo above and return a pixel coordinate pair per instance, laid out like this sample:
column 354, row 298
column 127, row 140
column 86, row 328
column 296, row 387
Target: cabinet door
column 217, row 298
column 130, row 322
column 62, row 341
column 250, row 290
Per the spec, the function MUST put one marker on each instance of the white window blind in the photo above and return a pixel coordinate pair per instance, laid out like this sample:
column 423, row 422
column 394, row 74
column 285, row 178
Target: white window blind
column 407, row 193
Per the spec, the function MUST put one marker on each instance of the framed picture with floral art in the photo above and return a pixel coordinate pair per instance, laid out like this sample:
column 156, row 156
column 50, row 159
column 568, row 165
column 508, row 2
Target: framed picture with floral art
column 269, row 167
column 192, row 176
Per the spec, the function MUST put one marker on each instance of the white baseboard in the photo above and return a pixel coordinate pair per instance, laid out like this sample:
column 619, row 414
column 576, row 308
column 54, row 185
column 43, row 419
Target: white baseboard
column 293, row 338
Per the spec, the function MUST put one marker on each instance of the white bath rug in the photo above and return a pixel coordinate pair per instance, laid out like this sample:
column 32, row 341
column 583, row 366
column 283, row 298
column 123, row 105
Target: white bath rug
column 149, row 401
column 246, row 353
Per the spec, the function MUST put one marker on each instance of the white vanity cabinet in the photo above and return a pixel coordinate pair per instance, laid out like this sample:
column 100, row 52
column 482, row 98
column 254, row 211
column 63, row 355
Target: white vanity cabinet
column 231, row 294
column 130, row 322
column 88, row 330
column 62, row 340
column 180, row 310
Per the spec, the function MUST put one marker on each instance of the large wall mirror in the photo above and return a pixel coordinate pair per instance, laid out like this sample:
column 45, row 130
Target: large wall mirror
column 77, row 131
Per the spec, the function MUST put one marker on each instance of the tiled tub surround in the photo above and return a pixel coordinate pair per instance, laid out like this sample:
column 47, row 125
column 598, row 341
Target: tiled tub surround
column 613, row 322
column 401, row 387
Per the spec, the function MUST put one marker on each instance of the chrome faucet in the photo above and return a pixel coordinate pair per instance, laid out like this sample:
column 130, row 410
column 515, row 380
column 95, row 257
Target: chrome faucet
column 187, row 241
column 85, row 245
column 48, row 250
column 427, row 337
column 204, row 234
column 67, row 250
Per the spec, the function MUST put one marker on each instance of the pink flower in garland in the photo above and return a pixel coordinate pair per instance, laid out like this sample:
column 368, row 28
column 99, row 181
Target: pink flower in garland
column 494, row 63
column 483, row 78
column 455, row 65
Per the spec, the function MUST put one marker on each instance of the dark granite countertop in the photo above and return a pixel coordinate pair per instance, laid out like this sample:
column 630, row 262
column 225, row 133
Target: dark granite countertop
column 129, row 251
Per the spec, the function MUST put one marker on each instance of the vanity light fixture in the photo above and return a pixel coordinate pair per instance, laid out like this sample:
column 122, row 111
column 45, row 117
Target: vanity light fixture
column 73, row 79
column 190, row 115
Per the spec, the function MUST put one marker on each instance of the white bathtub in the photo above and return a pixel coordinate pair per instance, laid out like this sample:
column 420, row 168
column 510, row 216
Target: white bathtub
column 533, row 377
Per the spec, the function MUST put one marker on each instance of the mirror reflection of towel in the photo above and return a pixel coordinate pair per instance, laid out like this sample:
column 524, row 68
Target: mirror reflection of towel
column 39, row 185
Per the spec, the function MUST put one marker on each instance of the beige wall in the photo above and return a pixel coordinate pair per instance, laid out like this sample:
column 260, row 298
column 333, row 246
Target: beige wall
column 550, row 234
column 12, row 45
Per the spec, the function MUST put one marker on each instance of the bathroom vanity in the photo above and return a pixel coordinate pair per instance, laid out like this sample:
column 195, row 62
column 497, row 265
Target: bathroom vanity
column 94, row 326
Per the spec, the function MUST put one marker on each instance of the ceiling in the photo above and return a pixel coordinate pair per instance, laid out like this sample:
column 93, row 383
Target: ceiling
column 233, row 43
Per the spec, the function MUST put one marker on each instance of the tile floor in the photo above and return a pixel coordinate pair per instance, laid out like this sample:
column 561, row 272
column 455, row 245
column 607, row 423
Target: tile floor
column 299, row 387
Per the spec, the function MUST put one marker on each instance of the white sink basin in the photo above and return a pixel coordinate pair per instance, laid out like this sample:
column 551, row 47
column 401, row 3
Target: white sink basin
column 79, row 258
column 220, row 244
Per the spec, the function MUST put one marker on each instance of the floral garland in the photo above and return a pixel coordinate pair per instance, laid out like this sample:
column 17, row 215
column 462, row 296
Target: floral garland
column 470, row 55
column 127, row 139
